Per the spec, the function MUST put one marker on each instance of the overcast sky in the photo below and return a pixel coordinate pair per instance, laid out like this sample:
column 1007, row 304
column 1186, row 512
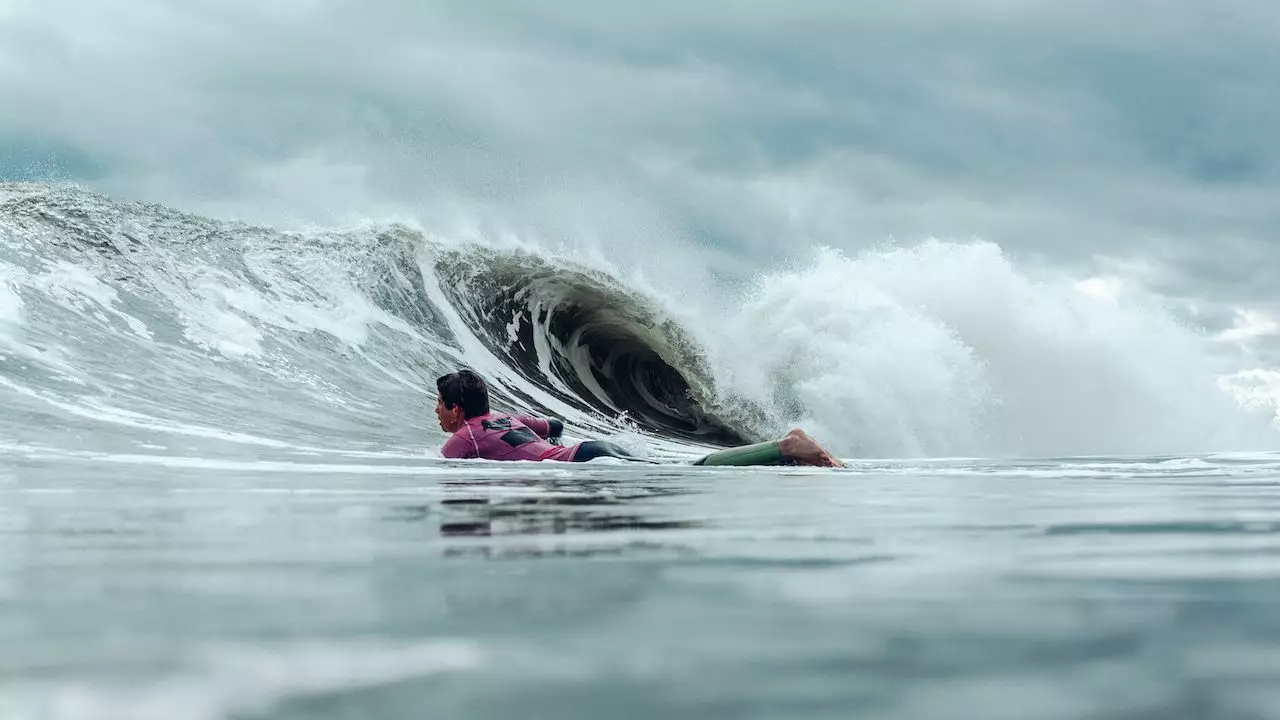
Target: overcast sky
column 1136, row 138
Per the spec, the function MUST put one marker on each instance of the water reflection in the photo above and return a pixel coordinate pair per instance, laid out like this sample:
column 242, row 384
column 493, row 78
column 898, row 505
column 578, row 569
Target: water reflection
column 547, row 516
column 513, row 508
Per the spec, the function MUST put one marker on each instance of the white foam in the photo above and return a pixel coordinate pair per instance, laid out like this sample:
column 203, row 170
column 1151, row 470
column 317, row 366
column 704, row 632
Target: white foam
column 327, row 302
column 77, row 289
column 949, row 349
column 1255, row 388
column 213, row 323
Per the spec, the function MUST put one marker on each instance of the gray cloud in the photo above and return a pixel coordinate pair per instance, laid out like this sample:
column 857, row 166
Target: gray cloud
column 1079, row 132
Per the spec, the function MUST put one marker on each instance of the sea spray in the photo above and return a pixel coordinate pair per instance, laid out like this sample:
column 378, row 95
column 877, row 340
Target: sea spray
column 951, row 349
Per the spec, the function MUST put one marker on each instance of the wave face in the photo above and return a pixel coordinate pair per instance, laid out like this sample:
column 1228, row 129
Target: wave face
column 129, row 327
column 580, row 335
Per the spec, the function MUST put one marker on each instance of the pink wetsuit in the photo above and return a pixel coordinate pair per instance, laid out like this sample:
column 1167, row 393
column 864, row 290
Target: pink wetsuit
column 498, row 436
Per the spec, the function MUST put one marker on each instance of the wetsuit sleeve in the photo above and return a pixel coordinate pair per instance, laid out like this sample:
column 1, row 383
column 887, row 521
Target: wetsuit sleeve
column 544, row 428
column 458, row 447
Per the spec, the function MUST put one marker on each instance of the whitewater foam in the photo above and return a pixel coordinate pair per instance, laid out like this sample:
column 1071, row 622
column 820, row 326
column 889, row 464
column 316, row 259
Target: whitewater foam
column 944, row 348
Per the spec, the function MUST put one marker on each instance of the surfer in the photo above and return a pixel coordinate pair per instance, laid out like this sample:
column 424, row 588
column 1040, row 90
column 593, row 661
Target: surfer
column 462, row 407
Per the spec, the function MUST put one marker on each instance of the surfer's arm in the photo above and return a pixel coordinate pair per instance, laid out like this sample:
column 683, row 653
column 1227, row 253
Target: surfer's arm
column 545, row 428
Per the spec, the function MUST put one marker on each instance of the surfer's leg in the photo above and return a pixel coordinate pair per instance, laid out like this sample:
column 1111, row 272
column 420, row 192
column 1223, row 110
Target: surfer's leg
column 796, row 448
column 765, row 453
column 592, row 449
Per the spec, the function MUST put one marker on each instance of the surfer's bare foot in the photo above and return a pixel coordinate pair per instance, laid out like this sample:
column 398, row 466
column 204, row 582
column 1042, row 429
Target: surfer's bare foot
column 798, row 446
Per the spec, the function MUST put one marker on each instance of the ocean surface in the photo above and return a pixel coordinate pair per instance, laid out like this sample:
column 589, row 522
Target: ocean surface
column 221, row 494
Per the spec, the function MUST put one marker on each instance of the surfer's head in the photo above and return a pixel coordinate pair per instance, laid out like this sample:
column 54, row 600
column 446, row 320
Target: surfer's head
column 463, row 395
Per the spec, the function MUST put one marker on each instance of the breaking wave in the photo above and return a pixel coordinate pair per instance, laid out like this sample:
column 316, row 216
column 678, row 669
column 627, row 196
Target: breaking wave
column 130, row 325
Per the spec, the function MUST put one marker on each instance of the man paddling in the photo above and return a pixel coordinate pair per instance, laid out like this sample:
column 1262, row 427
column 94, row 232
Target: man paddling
column 462, row 408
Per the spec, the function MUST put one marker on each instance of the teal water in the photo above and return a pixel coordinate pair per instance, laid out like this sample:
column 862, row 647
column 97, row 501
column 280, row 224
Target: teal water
column 388, row 587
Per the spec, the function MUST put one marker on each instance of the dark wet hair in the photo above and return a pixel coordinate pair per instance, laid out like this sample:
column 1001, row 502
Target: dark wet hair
column 467, row 389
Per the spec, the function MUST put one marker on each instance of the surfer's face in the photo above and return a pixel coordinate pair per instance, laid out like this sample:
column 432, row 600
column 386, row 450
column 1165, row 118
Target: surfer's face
column 450, row 419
